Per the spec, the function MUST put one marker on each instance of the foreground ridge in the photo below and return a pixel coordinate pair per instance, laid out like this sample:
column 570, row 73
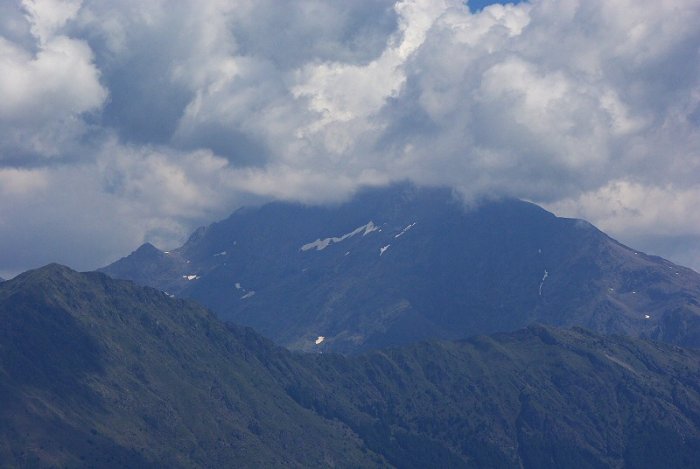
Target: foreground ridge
column 96, row 371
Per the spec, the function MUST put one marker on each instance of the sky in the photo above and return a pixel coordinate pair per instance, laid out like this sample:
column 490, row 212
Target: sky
column 130, row 121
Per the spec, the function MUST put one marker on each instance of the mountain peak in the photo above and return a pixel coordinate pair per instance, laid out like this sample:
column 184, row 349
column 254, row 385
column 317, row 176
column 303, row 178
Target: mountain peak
column 403, row 263
column 55, row 268
column 51, row 272
column 147, row 249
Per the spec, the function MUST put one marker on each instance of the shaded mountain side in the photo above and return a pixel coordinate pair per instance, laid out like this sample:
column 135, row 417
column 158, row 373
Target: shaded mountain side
column 151, row 266
column 539, row 397
column 401, row 264
column 98, row 372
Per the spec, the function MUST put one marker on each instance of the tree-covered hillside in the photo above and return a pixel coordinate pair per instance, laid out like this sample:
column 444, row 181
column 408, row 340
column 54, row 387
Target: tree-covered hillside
column 99, row 372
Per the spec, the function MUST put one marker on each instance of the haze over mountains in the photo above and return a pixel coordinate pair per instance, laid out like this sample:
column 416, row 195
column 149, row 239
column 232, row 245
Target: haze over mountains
column 97, row 372
column 401, row 264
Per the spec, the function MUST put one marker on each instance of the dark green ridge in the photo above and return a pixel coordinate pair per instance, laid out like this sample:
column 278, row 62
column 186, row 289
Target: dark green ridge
column 96, row 372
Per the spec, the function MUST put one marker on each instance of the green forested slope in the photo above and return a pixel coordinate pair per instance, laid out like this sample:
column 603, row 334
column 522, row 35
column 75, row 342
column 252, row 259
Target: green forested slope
column 98, row 372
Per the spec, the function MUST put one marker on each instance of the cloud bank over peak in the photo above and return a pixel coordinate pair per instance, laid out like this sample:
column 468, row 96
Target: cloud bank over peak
column 140, row 120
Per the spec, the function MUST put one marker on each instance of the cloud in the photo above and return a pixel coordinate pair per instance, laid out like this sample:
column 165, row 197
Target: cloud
column 17, row 182
column 48, row 16
column 170, row 114
column 45, row 87
column 341, row 92
column 90, row 213
column 650, row 217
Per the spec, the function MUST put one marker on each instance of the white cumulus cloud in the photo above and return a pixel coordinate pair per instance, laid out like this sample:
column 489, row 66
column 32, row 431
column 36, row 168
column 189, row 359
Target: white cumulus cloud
column 171, row 114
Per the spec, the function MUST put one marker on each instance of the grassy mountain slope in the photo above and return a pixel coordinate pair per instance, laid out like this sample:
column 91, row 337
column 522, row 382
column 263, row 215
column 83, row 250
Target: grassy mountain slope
column 98, row 372
column 540, row 397
column 102, row 372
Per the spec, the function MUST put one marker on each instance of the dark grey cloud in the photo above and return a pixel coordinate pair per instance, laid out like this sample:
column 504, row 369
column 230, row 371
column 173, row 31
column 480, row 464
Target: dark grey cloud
column 130, row 121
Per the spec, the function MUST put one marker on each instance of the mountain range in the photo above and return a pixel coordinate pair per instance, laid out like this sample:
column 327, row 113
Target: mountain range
column 400, row 264
column 96, row 372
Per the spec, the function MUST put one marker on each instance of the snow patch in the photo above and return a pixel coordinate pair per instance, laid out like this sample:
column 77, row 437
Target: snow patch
column 370, row 227
column 621, row 363
column 320, row 339
column 246, row 293
column 191, row 277
column 381, row 250
column 402, row 232
column 321, row 244
column 544, row 277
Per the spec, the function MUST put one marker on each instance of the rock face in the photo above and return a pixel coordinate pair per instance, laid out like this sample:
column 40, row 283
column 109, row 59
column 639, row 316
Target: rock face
column 402, row 264
column 96, row 372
